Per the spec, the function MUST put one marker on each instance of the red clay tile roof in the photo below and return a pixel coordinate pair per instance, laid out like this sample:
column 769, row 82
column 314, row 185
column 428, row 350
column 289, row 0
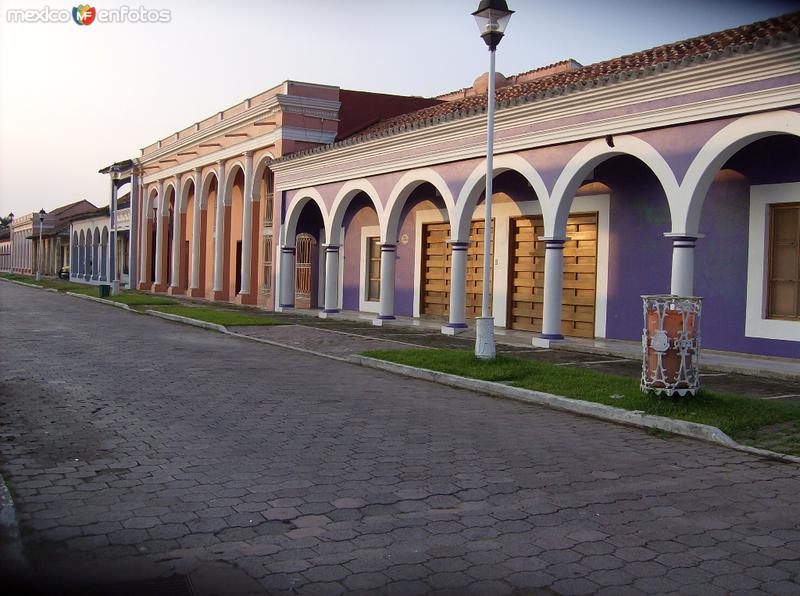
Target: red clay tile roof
column 773, row 31
column 756, row 34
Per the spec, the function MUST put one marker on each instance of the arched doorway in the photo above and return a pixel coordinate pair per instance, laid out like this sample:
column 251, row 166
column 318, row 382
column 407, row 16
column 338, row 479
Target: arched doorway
column 306, row 271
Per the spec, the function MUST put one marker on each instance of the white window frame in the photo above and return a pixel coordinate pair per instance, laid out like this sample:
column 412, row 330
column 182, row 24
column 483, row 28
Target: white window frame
column 365, row 305
column 757, row 325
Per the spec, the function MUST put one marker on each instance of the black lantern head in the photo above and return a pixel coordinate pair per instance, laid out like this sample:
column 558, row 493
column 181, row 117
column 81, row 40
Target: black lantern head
column 492, row 17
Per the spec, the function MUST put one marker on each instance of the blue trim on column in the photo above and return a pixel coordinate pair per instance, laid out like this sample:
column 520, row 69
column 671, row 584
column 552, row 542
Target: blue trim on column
column 551, row 336
column 388, row 247
column 457, row 325
column 459, row 245
column 386, row 317
column 331, row 310
column 286, row 305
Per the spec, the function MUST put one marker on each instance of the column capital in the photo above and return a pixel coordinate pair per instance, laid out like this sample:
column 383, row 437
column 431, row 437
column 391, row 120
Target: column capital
column 288, row 250
column 331, row 247
column 459, row 245
column 248, row 153
column 388, row 247
column 198, row 170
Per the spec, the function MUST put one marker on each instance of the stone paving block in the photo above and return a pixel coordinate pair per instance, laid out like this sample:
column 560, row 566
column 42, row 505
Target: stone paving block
column 377, row 476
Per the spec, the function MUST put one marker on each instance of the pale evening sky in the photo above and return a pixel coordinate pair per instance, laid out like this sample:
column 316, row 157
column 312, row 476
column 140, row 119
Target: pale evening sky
column 76, row 98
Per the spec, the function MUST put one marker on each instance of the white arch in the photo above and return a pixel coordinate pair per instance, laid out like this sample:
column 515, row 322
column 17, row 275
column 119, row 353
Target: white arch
column 151, row 200
column 258, row 173
column 206, row 187
column 475, row 184
column 186, row 184
column 230, row 177
column 556, row 208
column 343, row 199
column 719, row 149
column 300, row 199
column 408, row 183
column 163, row 206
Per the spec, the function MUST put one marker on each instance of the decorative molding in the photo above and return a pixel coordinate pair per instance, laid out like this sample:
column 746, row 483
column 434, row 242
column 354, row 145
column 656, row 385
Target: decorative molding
column 295, row 104
column 254, row 144
column 421, row 142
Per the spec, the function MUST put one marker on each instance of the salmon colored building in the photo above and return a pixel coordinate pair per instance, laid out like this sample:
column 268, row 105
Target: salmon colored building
column 670, row 170
column 203, row 212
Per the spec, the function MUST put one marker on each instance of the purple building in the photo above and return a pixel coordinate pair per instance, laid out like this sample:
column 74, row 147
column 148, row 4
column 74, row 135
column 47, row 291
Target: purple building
column 672, row 170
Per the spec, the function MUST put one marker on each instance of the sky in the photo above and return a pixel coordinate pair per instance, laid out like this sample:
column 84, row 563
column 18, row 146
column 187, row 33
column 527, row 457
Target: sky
column 74, row 99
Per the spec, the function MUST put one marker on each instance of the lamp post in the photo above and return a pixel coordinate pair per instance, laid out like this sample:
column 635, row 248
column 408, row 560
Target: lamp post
column 39, row 251
column 492, row 17
column 11, row 237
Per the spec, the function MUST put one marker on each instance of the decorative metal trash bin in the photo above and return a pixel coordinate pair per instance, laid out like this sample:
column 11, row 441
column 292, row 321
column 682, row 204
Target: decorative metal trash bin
column 671, row 345
column 105, row 290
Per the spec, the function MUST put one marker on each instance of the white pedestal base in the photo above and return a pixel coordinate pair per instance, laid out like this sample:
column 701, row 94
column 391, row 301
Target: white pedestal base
column 541, row 342
column 447, row 330
column 115, row 288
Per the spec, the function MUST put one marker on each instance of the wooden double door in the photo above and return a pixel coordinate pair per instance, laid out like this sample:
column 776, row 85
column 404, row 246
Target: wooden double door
column 436, row 265
column 526, row 275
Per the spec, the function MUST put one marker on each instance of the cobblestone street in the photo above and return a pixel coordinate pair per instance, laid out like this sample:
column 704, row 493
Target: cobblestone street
column 138, row 449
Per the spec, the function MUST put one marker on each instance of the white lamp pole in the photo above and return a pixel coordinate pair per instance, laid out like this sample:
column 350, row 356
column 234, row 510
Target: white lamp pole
column 39, row 251
column 492, row 17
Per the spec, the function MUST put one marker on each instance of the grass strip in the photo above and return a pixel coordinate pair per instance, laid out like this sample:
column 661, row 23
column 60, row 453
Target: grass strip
column 747, row 420
column 57, row 284
column 227, row 318
column 126, row 297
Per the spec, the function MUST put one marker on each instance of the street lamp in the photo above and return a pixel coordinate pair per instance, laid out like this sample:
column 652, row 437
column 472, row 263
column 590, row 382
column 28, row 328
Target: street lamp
column 492, row 17
column 39, row 251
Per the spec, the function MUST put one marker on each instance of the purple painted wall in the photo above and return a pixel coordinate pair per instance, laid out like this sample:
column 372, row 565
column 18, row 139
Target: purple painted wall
column 640, row 258
column 360, row 213
column 721, row 257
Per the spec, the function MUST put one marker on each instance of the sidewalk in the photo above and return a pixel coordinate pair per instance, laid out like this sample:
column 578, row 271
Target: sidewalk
column 766, row 378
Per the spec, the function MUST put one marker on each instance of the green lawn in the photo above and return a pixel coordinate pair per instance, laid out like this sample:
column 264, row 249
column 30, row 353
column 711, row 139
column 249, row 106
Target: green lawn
column 127, row 297
column 227, row 318
column 57, row 284
column 752, row 421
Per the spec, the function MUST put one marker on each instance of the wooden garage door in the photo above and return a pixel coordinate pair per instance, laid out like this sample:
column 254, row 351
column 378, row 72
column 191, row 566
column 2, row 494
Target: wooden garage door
column 526, row 275
column 436, row 257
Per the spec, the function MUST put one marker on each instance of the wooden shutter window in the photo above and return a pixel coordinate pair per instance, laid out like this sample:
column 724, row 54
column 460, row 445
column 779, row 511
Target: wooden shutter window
column 784, row 262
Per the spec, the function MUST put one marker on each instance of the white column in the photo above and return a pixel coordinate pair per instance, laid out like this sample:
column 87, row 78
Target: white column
column 144, row 244
column 219, row 240
column 195, row 283
column 134, row 229
column 553, row 288
column 388, row 255
column 111, row 264
column 287, row 277
column 176, row 236
column 682, row 283
column 458, row 289
column 159, row 234
column 247, row 222
column 331, row 279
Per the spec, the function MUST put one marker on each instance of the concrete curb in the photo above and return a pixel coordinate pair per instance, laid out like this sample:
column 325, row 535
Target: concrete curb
column 100, row 300
column 694, row 430
column 11, row 548
column 26, row 284
column 187, row 321
column 226, row 331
